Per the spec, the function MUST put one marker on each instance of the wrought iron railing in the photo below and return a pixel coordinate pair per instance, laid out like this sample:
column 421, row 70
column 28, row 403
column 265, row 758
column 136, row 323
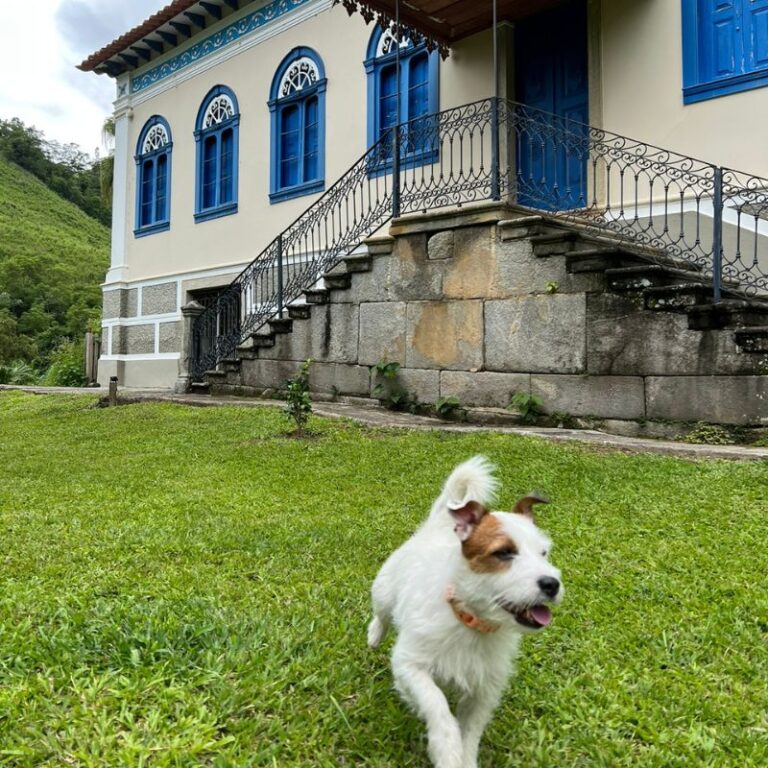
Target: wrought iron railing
column 673, row 206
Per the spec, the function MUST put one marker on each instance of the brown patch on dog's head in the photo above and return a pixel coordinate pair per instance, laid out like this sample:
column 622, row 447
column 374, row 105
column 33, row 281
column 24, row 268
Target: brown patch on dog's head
column 489, row 549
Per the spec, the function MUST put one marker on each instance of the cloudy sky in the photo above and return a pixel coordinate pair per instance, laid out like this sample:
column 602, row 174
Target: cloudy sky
column 41, row 42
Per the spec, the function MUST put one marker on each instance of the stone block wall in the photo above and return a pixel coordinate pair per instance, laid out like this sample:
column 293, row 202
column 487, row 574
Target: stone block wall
column 472, row 313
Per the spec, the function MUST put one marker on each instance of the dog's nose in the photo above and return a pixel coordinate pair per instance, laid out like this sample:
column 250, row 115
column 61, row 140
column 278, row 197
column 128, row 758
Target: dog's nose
column 549, row 585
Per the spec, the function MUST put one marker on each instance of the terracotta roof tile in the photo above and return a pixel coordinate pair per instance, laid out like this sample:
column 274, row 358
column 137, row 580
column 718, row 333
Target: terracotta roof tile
column 137, row 34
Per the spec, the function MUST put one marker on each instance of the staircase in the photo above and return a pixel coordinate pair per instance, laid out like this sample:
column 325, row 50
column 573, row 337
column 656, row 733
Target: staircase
column 662, row 257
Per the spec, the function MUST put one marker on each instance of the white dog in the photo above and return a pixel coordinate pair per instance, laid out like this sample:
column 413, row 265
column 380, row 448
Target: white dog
column 461, row 592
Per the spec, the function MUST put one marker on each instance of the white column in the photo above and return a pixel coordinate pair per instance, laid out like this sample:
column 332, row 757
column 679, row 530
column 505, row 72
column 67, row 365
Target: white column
column 118, row 271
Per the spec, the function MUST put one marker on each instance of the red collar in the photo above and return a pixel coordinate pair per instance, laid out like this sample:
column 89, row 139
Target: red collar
column 466, row 617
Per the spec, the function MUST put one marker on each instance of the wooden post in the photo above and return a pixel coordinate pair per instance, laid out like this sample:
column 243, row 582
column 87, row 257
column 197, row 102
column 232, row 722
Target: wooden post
column 112, row 391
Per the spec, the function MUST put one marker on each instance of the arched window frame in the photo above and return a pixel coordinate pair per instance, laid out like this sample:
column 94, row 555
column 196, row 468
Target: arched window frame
column 378, row 62
column 149, row 195
column 205, row 210
column 278, row 104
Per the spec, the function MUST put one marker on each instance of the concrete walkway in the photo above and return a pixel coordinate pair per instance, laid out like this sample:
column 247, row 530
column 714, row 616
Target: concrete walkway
column 373, row 416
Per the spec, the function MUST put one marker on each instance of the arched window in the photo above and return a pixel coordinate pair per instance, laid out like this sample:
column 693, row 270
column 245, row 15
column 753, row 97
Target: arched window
column 297, row 107
column 153, row 177
column 418, row 93
column 216, row 136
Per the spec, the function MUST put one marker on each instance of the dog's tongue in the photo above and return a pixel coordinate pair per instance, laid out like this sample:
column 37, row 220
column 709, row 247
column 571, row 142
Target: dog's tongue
column 542, row 614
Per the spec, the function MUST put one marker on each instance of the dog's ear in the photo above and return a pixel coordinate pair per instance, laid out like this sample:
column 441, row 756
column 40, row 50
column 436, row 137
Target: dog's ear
column 467, row 516
column 525, row 505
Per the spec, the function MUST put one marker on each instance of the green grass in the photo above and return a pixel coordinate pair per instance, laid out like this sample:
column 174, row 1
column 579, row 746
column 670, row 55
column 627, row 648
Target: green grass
column 184, row 587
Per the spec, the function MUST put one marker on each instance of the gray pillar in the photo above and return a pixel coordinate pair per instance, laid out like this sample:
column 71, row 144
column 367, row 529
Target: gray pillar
column 189, row 312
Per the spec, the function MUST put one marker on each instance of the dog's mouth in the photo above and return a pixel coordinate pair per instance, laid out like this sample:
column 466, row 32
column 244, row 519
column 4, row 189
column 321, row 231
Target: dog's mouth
column 535, row 617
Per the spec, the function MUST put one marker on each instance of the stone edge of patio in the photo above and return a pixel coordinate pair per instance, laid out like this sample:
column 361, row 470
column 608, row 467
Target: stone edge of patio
column 373, row 416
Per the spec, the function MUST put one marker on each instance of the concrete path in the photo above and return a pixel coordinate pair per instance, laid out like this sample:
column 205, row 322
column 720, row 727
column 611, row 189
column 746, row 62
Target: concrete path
column 373, row 416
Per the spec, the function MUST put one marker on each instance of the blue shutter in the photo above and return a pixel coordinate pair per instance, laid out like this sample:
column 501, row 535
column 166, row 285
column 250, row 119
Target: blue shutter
column 161, row 188
column 418, row 87
column 289, row 146
column 147, row 192
column 756, row 34
column 387, row 99
column 311, row 141
column 210, row 171
column 721, row 53
column 226, row 167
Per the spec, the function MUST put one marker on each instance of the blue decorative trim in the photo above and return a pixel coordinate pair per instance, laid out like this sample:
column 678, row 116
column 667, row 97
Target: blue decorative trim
column 216, row 213
column 215, row 42
column 229, row 206
column 725, row 87
column 164, row 222
column 276, row 104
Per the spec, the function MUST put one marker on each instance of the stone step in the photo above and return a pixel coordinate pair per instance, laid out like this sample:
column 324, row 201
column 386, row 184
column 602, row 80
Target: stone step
column 753, row 339
column 358, row 262
column 338, row 281
column 230, row 365
column 317, row 295
column 215, row 376
column 729, row 313
column 299, row 311
column 280, row 325
column 678, row 297
column 522, row 227
column 647, row 276
column 247, row 352
column 262, row 340
column 554, row 243
column 601, row 259
column 200, row 387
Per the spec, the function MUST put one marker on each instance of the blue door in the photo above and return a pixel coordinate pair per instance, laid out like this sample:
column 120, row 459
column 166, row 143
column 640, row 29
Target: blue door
column 552, row 82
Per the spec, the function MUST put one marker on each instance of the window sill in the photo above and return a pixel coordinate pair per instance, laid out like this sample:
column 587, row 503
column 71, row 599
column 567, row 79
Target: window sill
column 725, row 87
column 298, row 191
column 152, row 229
column 216, row 213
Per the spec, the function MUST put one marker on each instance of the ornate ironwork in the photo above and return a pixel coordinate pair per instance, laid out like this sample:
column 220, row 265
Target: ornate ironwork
column 673, row 206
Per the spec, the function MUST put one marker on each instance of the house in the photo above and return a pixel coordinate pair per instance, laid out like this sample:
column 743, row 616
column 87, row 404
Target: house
column 260, row 145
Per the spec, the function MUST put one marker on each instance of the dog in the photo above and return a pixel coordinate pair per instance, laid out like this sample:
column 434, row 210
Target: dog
column 461, row 592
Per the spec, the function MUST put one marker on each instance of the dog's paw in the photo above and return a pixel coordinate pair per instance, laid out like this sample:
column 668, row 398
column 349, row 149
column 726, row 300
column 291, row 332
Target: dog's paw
column 376, row 632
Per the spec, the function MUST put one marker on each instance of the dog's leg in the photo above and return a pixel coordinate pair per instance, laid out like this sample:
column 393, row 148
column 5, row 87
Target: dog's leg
column 377, row 630
column 473, row 712
column 417, row 687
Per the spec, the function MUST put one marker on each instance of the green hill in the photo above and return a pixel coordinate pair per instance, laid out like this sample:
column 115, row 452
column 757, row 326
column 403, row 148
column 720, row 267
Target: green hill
column 52, row 259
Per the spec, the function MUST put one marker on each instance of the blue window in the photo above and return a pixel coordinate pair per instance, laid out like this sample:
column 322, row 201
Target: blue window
column 725, row 47
column 216, row 136
column 153, row 177
column 418, row 94
column 297, row 108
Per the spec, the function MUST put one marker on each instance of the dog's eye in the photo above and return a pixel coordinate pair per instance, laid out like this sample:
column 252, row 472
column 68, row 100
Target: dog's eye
column 506, row 553
column 544, row 552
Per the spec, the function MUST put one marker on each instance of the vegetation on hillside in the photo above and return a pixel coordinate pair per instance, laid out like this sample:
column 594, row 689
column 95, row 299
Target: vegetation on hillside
column 161, row 606
column 53, row 257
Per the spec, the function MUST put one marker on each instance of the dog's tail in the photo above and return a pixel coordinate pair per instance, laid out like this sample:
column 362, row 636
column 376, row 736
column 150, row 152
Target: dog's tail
column 471, row 481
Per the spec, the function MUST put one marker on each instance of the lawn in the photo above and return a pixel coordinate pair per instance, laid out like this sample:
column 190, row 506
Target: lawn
column 184, row 587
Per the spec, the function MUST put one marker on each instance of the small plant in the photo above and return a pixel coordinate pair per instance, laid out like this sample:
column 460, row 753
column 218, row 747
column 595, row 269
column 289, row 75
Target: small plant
column 388, row 389
column 711, row 434
column 67, row 367
column 563, row 420
column 18, row 372
column 530, row 407
column 552, row 287
column 299, row 405
column 446, row 406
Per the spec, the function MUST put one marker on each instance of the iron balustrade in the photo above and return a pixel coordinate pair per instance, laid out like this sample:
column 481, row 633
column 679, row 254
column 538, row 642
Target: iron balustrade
column 712, row 219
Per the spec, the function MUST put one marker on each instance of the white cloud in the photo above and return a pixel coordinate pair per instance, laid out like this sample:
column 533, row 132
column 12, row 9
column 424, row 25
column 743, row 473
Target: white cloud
column 40, row 84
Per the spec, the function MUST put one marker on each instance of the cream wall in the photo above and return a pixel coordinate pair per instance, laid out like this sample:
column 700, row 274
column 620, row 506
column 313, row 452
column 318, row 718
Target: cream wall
column 642, row 91
column 341, row 42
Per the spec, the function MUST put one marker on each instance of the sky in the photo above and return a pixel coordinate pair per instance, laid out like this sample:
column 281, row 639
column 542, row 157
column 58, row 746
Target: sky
column 41, row 42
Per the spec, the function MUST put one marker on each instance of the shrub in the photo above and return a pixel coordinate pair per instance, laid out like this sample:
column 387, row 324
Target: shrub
column 67, row 367
column 18, row 372
column 529, row 406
